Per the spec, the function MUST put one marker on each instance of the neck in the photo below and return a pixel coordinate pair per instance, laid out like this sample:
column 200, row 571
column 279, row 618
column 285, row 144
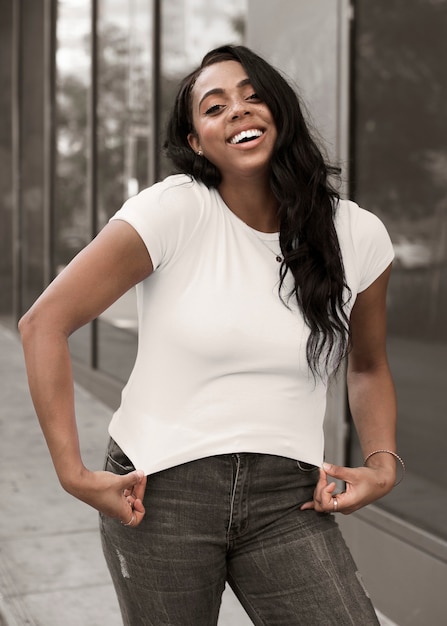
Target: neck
column 254, row 204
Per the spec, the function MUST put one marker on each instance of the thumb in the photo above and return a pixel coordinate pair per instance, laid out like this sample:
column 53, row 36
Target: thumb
column 134, row 482
column 336, row 471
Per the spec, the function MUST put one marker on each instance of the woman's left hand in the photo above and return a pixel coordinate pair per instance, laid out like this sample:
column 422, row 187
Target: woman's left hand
column 363, row 486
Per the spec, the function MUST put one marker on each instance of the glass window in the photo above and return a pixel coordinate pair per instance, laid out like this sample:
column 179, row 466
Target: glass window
column 123, row 131
column 124, row 78
column 190, row 28
column 123, row 136
column 401, row 174
column 71, row 220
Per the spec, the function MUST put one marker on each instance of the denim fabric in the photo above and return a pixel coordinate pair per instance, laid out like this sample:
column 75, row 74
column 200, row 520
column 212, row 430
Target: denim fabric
column 235, row 518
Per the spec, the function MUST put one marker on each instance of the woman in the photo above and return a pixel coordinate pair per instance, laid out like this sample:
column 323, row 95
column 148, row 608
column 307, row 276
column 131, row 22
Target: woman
column 254, row 281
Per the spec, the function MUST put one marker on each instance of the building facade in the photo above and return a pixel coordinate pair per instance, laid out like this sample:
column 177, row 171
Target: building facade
column 87, row 85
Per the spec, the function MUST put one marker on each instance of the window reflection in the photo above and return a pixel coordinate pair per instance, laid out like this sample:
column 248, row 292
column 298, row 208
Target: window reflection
column 71, row 221
column 401, row 165
column 71, row 225
column 124, row 77
column 123, row 136
column 189, row 29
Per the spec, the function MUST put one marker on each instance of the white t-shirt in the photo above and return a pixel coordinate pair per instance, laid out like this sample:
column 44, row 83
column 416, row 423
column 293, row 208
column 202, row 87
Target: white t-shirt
column 221, row 364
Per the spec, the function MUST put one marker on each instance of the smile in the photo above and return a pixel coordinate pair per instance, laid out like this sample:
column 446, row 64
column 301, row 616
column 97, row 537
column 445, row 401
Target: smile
column 246, row 135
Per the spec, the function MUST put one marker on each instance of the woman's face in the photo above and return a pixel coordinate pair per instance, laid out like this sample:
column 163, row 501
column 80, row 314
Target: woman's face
column 232, row 127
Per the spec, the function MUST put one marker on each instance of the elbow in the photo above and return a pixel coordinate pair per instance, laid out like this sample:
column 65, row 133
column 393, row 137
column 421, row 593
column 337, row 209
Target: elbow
column 24, row 324
column 27, row 326
column 367, row 363
column 41, row 321
column 35, row 321
column 370, row 371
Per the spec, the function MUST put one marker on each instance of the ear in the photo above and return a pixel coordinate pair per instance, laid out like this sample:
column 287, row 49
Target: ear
column 194, row 142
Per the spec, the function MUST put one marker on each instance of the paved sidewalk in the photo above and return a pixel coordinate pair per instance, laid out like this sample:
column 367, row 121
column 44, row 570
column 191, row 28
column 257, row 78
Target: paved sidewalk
column 52, row 570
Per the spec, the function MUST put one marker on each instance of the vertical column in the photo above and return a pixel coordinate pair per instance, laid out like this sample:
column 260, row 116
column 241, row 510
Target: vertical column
column 154, row 113
column 309, row 42
column 6, row 160
column 93, row 159
column 31, row 149
column 31, row 141
column 49, row 146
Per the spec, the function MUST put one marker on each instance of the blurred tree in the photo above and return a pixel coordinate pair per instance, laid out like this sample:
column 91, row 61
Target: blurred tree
column 121, row 141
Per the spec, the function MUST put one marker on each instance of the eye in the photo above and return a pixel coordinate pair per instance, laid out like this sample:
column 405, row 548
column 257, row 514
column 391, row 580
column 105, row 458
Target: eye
column 254, row 96
column 212, row 110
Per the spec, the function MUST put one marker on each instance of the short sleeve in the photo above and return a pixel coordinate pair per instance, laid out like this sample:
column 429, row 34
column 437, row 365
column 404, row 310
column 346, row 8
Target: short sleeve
column 165, row 216
column 373, row 247
column 365, row 245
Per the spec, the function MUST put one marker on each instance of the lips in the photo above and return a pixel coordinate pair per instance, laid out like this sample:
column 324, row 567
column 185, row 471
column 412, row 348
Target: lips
column 246, row 135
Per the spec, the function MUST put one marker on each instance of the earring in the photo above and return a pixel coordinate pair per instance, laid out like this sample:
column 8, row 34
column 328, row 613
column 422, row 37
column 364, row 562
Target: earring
column 199, row 153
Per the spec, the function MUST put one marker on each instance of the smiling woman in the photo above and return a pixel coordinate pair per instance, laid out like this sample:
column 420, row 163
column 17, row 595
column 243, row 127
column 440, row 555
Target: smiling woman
column 234, row 130
column 253, row 280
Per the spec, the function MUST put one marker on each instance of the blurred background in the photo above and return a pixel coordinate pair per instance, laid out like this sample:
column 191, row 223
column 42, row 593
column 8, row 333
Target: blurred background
column 86, row 88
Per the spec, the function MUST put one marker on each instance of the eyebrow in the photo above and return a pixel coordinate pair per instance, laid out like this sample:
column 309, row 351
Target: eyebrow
column 220, row 91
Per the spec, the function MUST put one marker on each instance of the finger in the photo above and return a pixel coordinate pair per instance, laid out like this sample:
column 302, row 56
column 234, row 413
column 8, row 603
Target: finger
column 307, row 506
column 338, row 471
column 133, row 484
column 134, row 514
column 327, row 499
column 323, row 499
column 129, row 521
column 140, row 487
column 322, row 481
column 320, row 488
column 324, row 488
column 130, row 480
column 132, row 520
column 130, row 499
column 139, row 507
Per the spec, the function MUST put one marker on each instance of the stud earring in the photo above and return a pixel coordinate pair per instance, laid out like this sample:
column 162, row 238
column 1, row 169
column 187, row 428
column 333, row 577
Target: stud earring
column 199, row 153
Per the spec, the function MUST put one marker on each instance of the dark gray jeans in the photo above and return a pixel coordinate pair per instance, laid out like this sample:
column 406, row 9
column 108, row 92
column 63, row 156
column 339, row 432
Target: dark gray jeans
column 235, row 518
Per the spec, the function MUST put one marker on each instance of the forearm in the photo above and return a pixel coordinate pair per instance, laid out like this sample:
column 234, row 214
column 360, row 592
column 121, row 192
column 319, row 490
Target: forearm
column 51, row 385
column 372, row 401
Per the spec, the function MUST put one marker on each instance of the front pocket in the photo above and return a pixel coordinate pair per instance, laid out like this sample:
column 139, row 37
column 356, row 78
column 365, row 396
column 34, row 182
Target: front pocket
column 306, row 467
column 116, row 461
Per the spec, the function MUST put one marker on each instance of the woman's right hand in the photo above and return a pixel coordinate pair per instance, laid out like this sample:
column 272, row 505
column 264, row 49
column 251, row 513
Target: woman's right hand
column 114, row 495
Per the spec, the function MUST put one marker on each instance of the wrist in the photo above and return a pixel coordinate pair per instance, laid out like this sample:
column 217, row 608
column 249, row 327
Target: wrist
column 72, row 477
column 386, row 461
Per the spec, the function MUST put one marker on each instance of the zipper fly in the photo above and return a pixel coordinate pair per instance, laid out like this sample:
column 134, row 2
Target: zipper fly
column 238, row 519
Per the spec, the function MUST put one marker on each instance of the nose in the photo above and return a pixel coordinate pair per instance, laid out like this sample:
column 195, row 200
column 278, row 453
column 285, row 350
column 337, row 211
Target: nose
column 236, row 116
column 238, row 109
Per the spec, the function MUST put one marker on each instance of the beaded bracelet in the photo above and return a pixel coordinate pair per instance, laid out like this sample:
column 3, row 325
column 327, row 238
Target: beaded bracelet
column 396, row 456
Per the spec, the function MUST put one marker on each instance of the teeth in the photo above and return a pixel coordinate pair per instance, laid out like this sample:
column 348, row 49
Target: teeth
column 246, row 135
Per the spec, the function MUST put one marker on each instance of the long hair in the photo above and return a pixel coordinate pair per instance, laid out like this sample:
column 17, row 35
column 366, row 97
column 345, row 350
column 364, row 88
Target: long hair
column 307, row 201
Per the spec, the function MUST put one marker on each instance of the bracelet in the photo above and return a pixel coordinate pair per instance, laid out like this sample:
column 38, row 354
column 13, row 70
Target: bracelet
column 396, row 456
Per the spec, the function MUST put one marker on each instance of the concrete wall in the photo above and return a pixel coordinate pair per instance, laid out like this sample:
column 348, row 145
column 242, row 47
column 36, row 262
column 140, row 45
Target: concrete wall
column 308, row 42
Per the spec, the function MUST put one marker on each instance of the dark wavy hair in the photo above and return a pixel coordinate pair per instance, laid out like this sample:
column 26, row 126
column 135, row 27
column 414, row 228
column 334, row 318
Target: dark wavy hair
column 307, row 201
